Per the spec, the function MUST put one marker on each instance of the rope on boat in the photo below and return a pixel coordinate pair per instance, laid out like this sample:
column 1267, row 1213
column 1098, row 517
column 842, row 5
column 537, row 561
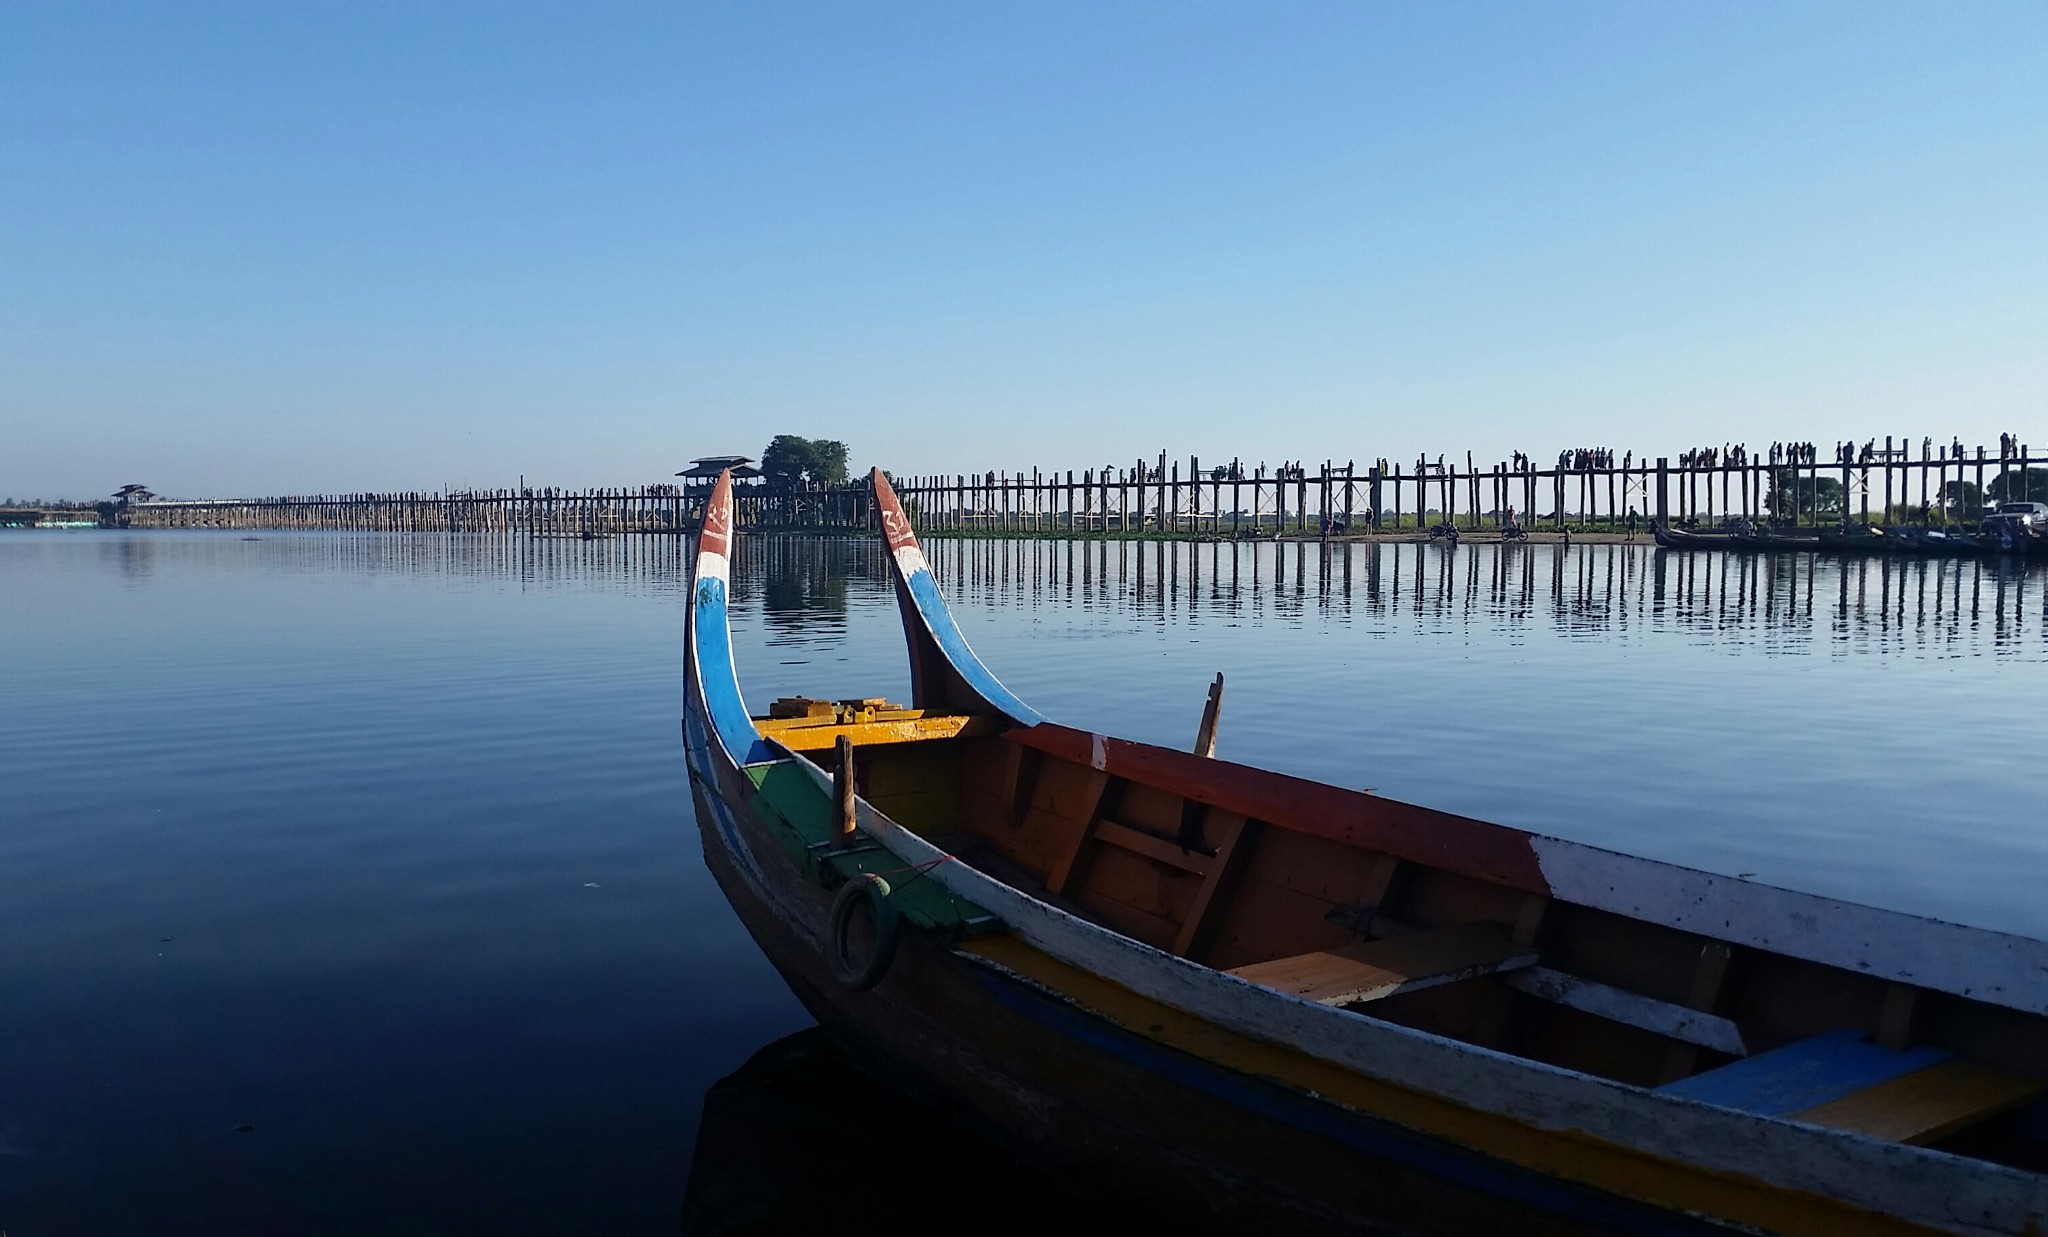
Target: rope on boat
column 917, row 870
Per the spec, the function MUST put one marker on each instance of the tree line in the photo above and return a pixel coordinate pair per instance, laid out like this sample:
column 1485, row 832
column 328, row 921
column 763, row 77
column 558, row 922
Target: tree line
column 789, row 460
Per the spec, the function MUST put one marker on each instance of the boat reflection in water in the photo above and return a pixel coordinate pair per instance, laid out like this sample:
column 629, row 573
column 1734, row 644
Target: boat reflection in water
column 798, row 1140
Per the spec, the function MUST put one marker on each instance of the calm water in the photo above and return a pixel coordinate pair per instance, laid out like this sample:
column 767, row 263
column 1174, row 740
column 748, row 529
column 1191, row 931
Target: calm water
column 382, row 846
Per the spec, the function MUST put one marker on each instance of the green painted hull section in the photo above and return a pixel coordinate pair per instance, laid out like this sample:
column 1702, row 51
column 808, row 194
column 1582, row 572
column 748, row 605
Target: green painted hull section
column 802, row 819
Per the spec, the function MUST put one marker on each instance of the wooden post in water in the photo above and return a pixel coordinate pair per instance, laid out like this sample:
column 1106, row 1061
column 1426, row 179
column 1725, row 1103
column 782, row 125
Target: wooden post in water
column 1205, row 734
column 1663, row 491
column 1472, row 493
column 1159, row 512
column 1848, row 455
column 1238, row 492
column 1887, row 466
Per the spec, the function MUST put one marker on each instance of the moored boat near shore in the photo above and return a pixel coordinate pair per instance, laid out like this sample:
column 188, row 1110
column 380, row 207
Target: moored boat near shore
column 1268, row 1003
column 1949, row 542
column 1679, row 539
column 1741, row 539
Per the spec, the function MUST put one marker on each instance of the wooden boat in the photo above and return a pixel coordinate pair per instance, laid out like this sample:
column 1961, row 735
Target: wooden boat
column 2008, row 540
column 1754, row 539
column 1859, row 541
column 1679, row 539
column 1940, row 542
column 1764, row 539
column 1267, row 1003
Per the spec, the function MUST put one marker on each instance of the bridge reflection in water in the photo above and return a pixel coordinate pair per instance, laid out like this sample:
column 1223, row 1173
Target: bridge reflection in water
column 1979, row 605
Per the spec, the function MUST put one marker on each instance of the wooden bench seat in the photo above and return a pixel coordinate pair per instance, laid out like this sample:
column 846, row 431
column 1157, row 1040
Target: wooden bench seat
column 1927, row 1105
column 1377, row 969
column 1842, row 1081
column 1803, row 1075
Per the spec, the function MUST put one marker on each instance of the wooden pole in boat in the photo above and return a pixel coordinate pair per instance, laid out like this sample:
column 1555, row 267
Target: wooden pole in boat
column 1205, row 735
column 842, row 792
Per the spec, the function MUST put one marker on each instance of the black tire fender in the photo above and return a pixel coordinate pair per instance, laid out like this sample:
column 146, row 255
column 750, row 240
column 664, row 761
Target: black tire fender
column 858, row 974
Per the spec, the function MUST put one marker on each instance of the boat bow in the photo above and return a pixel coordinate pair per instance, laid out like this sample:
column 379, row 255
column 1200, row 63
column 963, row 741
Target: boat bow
column 945, row 674
column 715, row 717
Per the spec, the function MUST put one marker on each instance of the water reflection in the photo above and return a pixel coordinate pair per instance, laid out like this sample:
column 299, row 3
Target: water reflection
column 1785, row 602
column 798, row 1140
column 411, row 812
column 800, row 586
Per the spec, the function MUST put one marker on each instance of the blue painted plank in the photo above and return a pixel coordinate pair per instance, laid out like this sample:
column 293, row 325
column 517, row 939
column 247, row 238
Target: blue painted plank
column 1802, row 1075
column 720, row 683
column 938, row 619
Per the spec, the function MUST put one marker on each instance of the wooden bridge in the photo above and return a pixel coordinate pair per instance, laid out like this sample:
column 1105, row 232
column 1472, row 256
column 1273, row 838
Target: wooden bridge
column 50, row 515
column 1586, row 490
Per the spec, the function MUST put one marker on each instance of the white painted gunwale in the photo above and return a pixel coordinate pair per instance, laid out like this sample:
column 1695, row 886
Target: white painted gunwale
column 1997, row 968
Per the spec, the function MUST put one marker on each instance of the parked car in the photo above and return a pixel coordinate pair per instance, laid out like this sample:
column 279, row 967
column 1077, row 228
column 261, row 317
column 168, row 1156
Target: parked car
column 2018, row 517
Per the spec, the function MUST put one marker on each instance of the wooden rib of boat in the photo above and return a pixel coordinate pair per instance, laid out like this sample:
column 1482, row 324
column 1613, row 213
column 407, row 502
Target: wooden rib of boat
column 1269, row 1003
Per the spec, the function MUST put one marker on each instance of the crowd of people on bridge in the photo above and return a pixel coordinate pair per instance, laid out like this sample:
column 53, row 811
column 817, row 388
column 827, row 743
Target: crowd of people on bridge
column 1572, row 459
column 1598, row 459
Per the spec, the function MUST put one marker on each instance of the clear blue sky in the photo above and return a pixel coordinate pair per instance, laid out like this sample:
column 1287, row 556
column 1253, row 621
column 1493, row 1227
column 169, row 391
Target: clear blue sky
column 285, row 248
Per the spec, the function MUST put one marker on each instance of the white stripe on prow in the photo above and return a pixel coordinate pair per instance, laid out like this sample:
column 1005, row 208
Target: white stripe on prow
column 713, row 567
column 910, row 560
column 1098, row 753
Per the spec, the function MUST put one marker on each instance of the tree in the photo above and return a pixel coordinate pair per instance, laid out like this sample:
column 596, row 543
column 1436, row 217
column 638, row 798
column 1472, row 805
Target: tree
column 2011, row 486
column 1796, row 492
column 1963, row 499
column 790, row 460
